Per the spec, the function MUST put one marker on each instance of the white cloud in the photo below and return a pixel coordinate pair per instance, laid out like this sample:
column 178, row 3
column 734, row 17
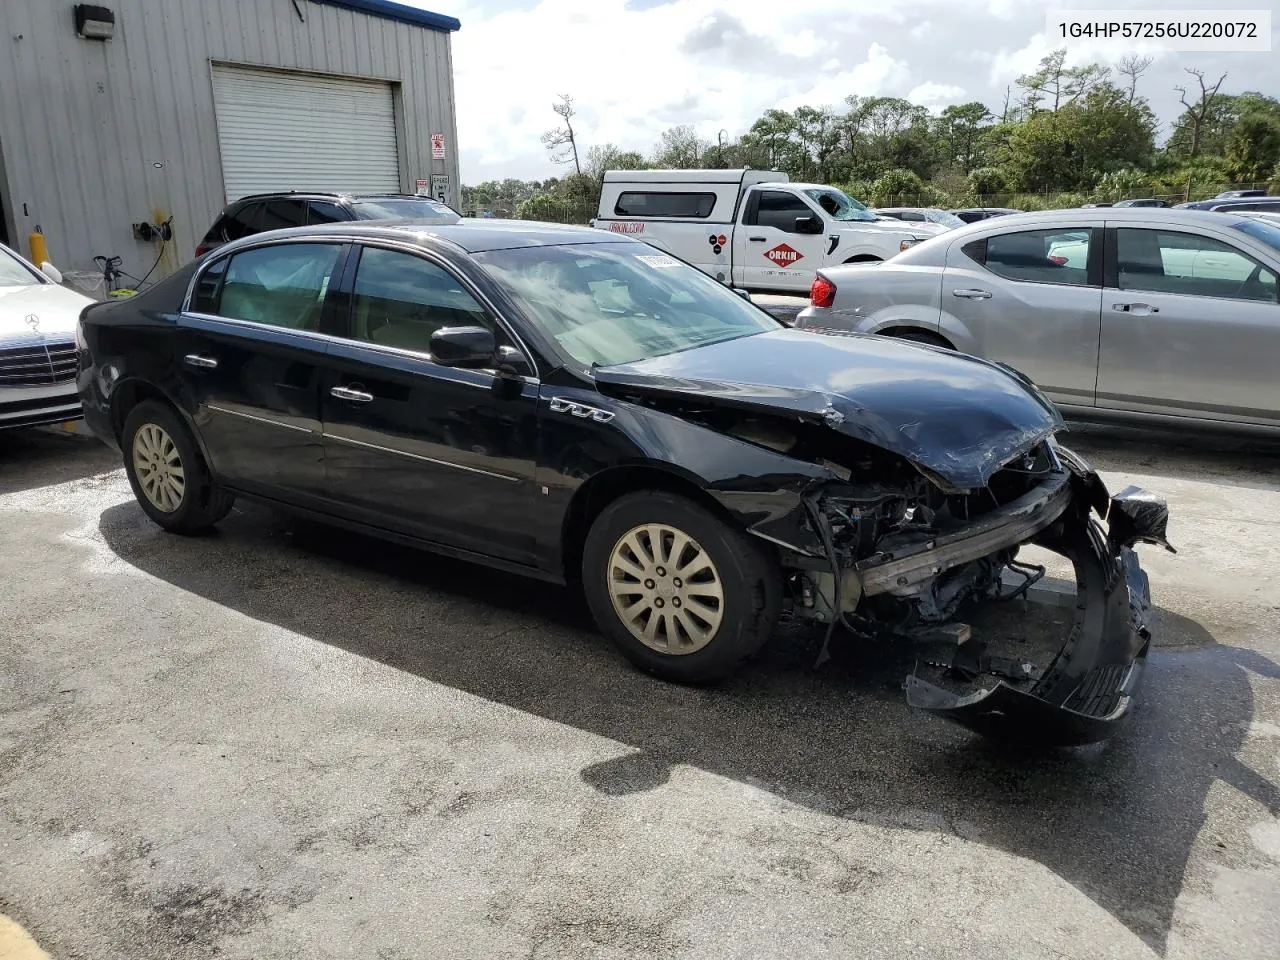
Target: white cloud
column 636, row 68
column 935, row 95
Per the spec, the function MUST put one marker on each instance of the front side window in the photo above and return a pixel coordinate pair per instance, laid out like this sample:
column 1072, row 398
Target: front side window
column 322, row 211
column 611, row 303
column 644, row 203
column 281, row 285
column 780, row 210
column 244, row 222
column 280, row 214
column 839, row 205
column 400, row 300
column 1041, row 256
column 1160, row 261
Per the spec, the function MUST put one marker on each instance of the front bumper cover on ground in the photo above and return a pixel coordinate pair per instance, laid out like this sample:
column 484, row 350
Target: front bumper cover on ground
column 1088, row 688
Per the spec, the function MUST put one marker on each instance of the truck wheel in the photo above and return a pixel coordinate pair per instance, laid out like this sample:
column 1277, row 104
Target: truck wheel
column 684, row 595
column 167, row 472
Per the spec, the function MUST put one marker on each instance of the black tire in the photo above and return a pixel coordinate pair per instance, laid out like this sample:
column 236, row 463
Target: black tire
column 923, row 336
column 201, row 503
column 747, row 572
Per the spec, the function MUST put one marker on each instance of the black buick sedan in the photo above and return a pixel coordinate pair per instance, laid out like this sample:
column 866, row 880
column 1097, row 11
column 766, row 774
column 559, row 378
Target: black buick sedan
column 584, row 408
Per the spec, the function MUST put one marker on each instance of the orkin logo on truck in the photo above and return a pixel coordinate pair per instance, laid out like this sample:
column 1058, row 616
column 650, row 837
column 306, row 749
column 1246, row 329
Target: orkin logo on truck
column 784, row 255
column 626, row 226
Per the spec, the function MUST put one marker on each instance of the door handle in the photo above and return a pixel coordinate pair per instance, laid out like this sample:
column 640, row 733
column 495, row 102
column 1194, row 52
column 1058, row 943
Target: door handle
column 1140, row 309
column 350, row 393
column 972, row 294
column 196, row 360
column 758, row 239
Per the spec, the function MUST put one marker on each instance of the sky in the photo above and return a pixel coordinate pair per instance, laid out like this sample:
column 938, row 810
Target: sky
column 637, row 67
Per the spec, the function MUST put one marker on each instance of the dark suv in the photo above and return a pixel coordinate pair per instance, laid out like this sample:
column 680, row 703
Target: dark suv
column 275, row 211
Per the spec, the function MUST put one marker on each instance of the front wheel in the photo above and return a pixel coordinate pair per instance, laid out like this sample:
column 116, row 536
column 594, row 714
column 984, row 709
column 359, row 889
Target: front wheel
column 684, row 595
column 168, row 475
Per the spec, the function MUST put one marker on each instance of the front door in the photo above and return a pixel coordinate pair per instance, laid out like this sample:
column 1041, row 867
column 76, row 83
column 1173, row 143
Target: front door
column 249, row 357
column 1190, row 327
column 771, row 253
column 1031, row 299
column 442, row 453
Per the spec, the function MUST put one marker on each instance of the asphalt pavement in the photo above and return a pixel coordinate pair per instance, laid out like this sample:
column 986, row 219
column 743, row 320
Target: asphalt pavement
column 283, row 740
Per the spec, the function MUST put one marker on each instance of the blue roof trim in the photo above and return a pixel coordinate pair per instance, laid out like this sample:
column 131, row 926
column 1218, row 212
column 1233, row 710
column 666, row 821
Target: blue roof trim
column 398, row 11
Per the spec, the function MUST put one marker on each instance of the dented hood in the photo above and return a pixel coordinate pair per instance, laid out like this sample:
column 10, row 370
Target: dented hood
column 954, row 415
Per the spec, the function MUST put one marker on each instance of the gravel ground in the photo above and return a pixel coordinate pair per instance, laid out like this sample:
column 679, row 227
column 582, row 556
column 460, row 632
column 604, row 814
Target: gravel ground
column 286, row 741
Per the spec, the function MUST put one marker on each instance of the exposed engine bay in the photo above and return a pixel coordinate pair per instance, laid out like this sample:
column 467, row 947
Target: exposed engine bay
column 893, row 550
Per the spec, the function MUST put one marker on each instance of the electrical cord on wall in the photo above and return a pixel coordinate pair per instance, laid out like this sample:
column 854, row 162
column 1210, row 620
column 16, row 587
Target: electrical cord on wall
column 164, row 243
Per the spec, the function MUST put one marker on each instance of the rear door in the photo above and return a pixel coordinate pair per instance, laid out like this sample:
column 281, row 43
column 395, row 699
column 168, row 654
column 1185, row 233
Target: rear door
column 1032, row 299
column 1190, row 327
column 442, row 453
column 250, row 350
column 774, row 255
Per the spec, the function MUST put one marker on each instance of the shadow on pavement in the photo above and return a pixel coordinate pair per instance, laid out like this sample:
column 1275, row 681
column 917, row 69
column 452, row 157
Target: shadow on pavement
column 1117, row 821
column 41, row 458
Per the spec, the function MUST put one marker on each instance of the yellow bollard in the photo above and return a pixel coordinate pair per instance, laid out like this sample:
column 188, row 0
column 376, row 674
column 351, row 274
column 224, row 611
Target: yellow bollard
column 39, row 249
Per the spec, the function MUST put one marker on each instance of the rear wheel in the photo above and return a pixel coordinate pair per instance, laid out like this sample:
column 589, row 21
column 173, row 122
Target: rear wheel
column 167, row 472
column 682, row 594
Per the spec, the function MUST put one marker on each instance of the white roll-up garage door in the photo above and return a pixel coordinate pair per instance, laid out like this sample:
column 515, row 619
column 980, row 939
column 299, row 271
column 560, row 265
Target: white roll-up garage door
column 296, row 131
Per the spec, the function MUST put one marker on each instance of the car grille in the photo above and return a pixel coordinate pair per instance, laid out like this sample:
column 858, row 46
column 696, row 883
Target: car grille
column 38, row 363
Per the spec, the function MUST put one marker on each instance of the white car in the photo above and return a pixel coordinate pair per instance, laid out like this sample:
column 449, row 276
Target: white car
column 38, row 361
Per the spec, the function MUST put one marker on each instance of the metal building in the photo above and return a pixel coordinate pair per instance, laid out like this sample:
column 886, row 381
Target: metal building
column 134, row 111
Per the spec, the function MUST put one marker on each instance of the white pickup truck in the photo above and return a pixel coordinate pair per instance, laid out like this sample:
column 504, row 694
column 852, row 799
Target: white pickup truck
column 751, row 228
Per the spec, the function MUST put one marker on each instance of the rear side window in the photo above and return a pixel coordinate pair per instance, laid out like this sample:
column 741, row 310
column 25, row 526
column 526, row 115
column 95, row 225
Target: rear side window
column 279, row 214
column 204, row 299
column 1041, row 256
column 638, row 203
column 282, row 285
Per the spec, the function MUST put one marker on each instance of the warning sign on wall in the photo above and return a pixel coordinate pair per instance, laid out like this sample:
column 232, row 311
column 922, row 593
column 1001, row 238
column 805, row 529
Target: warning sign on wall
column 422, row 188
column 437, row 146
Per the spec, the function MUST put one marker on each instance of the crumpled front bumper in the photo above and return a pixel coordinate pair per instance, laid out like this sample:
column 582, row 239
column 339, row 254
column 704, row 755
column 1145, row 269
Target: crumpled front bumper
column 1088, row 689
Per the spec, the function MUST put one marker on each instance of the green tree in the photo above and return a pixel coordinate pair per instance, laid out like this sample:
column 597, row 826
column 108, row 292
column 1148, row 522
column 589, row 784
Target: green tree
column 961, row 128
column 1252, row 148
column 897, row 188
column 610, row 157
column 678, row 148
column 987, row 181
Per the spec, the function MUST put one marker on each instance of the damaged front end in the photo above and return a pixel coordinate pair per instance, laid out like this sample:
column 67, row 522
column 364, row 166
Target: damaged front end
column 903, row 564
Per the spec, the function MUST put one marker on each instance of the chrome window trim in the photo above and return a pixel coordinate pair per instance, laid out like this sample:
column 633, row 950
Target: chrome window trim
column 249, row 416
column 416, row 456
column 400, row 246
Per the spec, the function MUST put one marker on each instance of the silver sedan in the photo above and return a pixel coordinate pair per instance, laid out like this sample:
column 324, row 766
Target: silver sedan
column 1169, row 316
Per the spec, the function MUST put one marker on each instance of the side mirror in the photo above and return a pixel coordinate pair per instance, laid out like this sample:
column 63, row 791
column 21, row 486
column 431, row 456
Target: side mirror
column 463, row 347
column 50, row 271
column 808, row 225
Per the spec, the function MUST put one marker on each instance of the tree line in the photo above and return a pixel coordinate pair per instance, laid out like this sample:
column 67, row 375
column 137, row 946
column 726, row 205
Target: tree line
column 1062, row 135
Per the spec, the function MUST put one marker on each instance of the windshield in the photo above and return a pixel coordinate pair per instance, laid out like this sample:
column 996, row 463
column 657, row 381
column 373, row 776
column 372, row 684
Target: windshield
column 13, row 272
column 1268, row 233
column 944, row 218
column 839, row 205
column 611, row 303
column 406, row 208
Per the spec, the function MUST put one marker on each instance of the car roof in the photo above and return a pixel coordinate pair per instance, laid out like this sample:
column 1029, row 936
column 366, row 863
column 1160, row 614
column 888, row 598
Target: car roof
column 1154, row 216
column 328, row 195
column 470, row 235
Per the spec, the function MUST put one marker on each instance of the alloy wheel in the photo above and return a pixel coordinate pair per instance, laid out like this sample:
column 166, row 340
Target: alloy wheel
column 665, row 589
column 158, row 466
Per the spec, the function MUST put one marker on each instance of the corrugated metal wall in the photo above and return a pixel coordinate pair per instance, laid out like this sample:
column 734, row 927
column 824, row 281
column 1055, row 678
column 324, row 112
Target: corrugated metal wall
column 96, row 136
